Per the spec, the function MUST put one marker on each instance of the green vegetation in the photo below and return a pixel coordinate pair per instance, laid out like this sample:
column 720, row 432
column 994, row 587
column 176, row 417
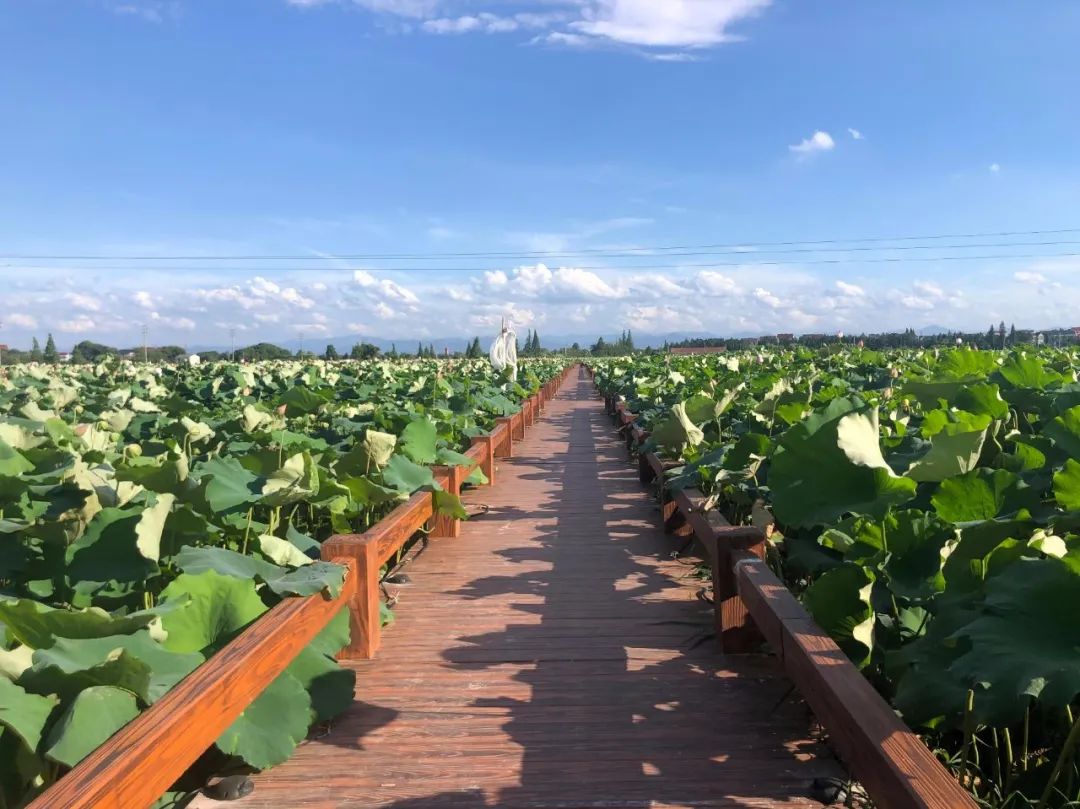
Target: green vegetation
column 925, row 505
column 149, row 513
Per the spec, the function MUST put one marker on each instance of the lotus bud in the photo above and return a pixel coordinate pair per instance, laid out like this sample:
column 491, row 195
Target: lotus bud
column 907, row 404
column 281, row 409
column 133, row 450
column 894, row 372
column 887, row 393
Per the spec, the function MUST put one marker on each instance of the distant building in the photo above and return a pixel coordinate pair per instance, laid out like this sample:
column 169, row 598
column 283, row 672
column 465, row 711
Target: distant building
column 64, row 356
column 699, row 350
column 785, row 338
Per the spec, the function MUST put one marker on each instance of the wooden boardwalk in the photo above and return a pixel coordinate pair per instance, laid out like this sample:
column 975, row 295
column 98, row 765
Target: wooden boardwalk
column 555, row 655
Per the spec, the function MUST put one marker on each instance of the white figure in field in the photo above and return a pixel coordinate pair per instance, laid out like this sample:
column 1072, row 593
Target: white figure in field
column 503, row 352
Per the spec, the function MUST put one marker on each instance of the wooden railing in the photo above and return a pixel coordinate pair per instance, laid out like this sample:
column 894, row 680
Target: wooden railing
column 142, row 760
column 753, row 607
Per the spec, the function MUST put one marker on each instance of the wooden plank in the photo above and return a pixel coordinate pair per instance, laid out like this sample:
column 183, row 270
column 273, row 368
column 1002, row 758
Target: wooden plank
column 551, row 657
column 142, row 760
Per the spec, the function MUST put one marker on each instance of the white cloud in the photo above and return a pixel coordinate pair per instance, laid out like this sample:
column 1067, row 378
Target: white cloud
column 143, row 299
column 850, row 290
column 679, row 26
column 930, row 290
column 180, row 323
column 768, row 298
column 856, row 134
column 78, row 324
column 714, row 283
column 667, row 24
column 496, row 278
column 1028, row 277
column 995, row 168
column 486, row 22
column 79, row 300
column 364, row 278
column 820, row 141
column 155, row 11
column 262, row 288
column 21, row 320
column 293, row 296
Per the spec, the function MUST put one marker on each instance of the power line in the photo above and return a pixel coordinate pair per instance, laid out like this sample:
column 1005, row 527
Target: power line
column 657, row 267
column 733, row 247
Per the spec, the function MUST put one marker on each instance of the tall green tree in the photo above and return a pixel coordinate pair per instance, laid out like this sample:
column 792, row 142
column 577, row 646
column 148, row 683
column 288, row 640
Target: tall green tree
column 50, row 354
column 35, row 351
column 331, row 353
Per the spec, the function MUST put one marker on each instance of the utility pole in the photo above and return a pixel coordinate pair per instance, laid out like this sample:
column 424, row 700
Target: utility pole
column 301, row 352
column 1, row 349
column 145, row 331
column 232, row 344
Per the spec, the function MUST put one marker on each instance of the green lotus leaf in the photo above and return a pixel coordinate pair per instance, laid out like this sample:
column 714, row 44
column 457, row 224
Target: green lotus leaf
column 1065, row 430
column 306, row 580
column 950, row 454
column 830, row 465
column 968, row 565
column 450, row 504
column 1025, row 371
column 227, row 484
column 982, row 398
column 982, row 494
column 418, row 441
column 332, row 688
column 271, row 727
column 1022, row 646
column 23, row 713
column 12, row 462
column 219, row 607
column 253, row 419
column 115, row 548
column 296, row 480
column 39, row 625
column 70, row 662
column 839, row 602
column 1067, row 486
column 677, row 431
column 91, row 718
column 407, row 477
column 282, row 552
column 367, row 492
column 301, row 400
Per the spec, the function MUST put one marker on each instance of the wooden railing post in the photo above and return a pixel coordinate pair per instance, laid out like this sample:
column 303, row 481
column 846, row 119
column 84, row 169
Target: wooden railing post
column 446, row 525
column 365, row 622
column 505, row 448
column 735, row 627
column 487, row 462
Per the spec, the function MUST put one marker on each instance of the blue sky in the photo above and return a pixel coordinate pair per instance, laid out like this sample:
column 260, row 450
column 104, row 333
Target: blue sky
column 320, row 129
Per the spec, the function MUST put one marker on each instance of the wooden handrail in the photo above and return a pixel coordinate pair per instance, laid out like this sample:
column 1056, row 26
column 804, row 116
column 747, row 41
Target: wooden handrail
column 896, row 768
column 752, row 605
column 143, row 759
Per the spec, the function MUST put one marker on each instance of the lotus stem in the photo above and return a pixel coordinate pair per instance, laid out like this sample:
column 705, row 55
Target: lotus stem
column 1024, row 742
column 247, row 532
column 965, row 749
column 1063, row 757
column 1007, row 738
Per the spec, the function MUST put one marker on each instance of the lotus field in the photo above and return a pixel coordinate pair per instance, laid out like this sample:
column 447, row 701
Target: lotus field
column 148, row 514
column 925, row 507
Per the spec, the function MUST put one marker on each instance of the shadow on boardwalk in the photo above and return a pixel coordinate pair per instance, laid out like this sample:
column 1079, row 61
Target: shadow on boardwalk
column 629, row 704
column 555, row 655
